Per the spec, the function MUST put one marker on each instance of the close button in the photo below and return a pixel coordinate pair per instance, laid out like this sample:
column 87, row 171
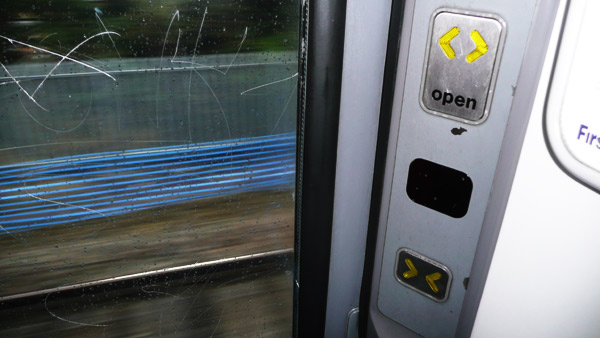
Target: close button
column 422, row 274
column 461, row 64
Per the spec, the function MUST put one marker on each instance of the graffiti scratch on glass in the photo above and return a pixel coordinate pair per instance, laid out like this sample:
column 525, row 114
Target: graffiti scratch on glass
column 63, row 58
column 160, row 64
column 190, row 62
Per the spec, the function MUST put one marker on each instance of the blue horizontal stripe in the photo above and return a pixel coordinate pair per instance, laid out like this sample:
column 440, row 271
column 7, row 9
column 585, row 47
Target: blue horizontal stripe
column 98, row 206
column 145, row 159
column 96, row 179
column 120, row 155
column 246, row 188
column 175, row 161
column 132, row 191
column 138, row 179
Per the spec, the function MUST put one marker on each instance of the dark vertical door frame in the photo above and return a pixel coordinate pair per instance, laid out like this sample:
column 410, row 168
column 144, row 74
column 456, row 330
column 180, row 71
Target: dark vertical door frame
column 320, row 74
column 385, row 116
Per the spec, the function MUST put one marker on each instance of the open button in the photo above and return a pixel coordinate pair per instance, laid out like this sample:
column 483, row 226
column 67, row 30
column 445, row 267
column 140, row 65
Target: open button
column 461, row 64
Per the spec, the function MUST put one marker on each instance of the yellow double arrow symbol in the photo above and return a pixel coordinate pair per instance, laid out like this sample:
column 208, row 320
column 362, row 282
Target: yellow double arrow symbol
column 412, row 272
column 481, row 46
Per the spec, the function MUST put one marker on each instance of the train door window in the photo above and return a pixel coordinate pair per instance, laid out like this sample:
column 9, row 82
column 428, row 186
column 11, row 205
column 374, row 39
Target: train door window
column 147, row 167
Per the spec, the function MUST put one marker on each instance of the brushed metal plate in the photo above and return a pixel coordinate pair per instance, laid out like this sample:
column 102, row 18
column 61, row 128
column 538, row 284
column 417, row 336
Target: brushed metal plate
column 457, row 82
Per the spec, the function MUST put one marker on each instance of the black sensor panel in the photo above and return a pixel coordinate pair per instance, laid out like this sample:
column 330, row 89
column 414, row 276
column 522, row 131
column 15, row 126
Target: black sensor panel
column 438, row 187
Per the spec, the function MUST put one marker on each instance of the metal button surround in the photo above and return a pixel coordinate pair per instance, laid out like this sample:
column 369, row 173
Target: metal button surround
column 461, row 64
column 422, row 274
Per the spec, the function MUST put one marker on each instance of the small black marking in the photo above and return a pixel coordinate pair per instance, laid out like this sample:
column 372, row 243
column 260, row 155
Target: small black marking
column 458, row 131
column 466, row 282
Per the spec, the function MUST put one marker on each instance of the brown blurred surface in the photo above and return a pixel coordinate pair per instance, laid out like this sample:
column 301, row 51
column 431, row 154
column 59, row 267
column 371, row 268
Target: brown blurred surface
column 252, row 298
column 170, row 236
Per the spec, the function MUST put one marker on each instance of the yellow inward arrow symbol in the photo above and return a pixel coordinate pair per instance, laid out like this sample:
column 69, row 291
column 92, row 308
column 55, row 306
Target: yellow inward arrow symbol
column 480, row 47
column 431, row 281
column 445, row 42
column 412, row 271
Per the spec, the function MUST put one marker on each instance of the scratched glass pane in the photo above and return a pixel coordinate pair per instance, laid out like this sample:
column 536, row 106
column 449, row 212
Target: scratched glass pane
column 147, row 166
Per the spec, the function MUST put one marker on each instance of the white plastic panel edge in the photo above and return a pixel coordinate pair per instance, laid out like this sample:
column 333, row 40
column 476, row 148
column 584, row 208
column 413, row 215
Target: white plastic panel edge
column 365, row 45
column 543, row 277
column 572, row 112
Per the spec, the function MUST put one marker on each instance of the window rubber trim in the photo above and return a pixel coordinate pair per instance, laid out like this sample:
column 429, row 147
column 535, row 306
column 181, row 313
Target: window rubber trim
column 322, row 28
